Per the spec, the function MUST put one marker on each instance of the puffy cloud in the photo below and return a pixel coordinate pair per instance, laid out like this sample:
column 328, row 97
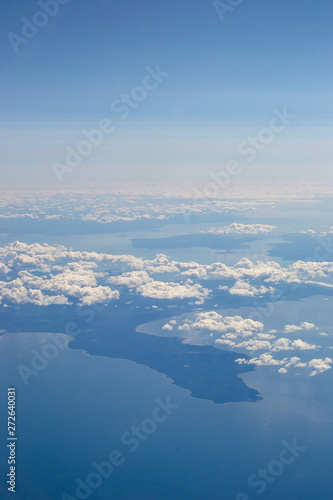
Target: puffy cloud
column 4, row 269
column 171, row 291
column 311, row 232
column 303, row 346
column 74, row 280
column 241, row 333
column 266, row 359
column 265, row 336
column 237, row 228
column 284, row 344
column 96, row 295
column 245, row 289
column 44, row 275
column 303, row 326
column 308, row 326
column 184, row 327
column 249, row 345
column 311, row 270
column 131, row 280
column 293, row 361
column 237, row 333
column 22, row 255
column 263, row 360
column 19, row 294
column 168, row 327
column 138, row 273
column 320, row 365
column 213, row 321
column 291, row 328
column 267, row 272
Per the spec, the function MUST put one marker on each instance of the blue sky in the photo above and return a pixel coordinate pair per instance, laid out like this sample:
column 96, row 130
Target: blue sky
column 224, row 80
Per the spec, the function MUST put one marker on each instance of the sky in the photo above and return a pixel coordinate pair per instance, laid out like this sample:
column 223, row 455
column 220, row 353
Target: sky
column 219, row 79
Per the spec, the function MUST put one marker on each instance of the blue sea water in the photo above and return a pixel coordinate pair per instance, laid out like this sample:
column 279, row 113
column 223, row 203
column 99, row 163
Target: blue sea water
column 74, row 412
column 76, row 409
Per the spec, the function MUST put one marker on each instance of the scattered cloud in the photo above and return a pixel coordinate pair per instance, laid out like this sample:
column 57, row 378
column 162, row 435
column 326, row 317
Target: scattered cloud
column 131, row 280
column 237, row 228
column 303, row 326
column 245, row 289
column 171, row 291
column 168, row 327
column 263, row 360
column 45, row 275
column 318, row 365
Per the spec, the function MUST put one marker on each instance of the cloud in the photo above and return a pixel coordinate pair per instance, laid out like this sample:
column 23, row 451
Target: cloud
column 308, row 231
column 247, row 335
column 268, row 273
column 293, row 361
column 168, row 327
column 237, row 228
column 96, row 295
column 291, row 328
column 308, row 326
column 263, row 360
column 265, row 336
column 4, row 269
column 58, row 285
column 45, row 275
column 241, row 333
column 114, row 204
column 318, row 365
column 249, row 345
column 131, row 280
column 236, row 326
column 257, row 344
column 184, row 327
column 303, row 326
column 66, row 271
column 21, row 295
column 244, row 288
column 284, row 344
column 21, row 255
column 303, row 346
column 171, row 291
